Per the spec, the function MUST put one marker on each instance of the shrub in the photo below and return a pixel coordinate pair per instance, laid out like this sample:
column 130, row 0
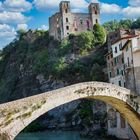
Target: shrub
column 85, row 41
column 100, row 35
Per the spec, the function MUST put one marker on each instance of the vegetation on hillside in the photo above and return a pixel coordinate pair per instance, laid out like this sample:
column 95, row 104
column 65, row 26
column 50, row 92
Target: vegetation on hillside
column 35, row 53
column 123, row 24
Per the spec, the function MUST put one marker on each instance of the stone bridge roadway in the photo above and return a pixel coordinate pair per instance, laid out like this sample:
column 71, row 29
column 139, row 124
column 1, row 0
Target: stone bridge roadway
column 16, row 115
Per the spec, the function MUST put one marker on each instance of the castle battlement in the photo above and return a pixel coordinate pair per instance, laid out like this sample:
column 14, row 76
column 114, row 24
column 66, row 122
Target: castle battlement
column 64, row 22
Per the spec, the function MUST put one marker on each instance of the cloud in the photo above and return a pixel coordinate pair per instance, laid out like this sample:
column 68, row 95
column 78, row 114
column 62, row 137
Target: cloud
column 1, row 7
column 12, row 18
column 7, row 34
column 16, row 5
column 22, row 27
column 43, row 27
column 110, row 8
column 53, row 4
column 134, row 3
column 7, row 31
column 132, row 12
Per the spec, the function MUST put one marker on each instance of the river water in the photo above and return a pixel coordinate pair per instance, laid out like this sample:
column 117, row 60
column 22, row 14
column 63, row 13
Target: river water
column 58, row 135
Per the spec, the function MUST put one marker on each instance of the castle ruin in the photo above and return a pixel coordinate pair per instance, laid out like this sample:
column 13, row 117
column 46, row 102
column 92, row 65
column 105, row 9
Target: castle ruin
column 65, row 22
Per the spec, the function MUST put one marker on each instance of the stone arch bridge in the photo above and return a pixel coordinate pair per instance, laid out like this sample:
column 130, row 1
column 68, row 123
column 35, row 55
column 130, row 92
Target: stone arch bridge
column 16, row 115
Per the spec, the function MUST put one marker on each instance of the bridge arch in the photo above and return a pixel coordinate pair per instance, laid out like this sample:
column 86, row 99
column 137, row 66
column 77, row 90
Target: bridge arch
column 16, row 115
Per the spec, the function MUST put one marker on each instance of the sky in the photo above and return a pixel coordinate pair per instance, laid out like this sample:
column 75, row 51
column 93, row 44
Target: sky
column 34, row 14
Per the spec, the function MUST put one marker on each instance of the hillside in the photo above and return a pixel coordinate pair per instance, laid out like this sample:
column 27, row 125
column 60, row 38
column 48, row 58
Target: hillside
column 35, row 63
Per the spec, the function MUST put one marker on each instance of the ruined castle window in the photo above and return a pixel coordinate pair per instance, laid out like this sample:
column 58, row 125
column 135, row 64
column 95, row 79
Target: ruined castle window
column 96, row 20
column 67, row 20
column 81, row 21
column 96, row 12
column 66, row 10
column 87, row 25
column 67, row 27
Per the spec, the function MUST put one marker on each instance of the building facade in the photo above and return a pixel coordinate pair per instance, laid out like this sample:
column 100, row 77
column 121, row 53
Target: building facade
column 123, row 70
column 65, row 22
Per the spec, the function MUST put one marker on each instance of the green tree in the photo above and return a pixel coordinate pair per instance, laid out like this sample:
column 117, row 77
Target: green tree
column 85, row 41
column 64, row 46
column 100, row 35
column 136, row 24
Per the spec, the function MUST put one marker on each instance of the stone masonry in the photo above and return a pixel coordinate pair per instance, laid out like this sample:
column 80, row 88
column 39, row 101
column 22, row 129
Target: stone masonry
column 16, row 115
column 65, row 22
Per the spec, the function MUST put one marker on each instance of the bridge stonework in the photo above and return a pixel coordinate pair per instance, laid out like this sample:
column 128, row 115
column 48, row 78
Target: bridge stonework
column 16, row 115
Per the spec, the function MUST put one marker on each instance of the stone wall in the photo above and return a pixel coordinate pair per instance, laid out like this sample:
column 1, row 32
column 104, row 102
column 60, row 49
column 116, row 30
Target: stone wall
column 65, row 22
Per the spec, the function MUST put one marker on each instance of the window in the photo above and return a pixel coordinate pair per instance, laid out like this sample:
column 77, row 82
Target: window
column 112, row 117
column 96, row 12
column 118, row 71
column 123, row 60
column 96, row 20
column 110, row 74
column 122, row 122
column 116, row 50
column 132, row 61
column 120, row 84
column 108, row 57
column 120, row 46
column 67, row 20
column 116, row 60
column 66, row 10
column 67, row 27
column 81, row 21
column 122, row 72
column 128, row 62
column 124, row 84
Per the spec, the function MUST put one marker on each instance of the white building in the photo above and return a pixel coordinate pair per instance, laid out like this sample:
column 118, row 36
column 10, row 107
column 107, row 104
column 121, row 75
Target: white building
column 123, row 63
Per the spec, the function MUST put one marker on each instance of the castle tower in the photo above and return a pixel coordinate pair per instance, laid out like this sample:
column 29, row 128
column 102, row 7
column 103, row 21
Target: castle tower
column 65, row 12
column 94, row 11
column 64, row 7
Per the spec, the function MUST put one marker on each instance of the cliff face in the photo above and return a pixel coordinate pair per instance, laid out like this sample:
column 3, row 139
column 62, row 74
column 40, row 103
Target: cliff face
column 36, row 63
